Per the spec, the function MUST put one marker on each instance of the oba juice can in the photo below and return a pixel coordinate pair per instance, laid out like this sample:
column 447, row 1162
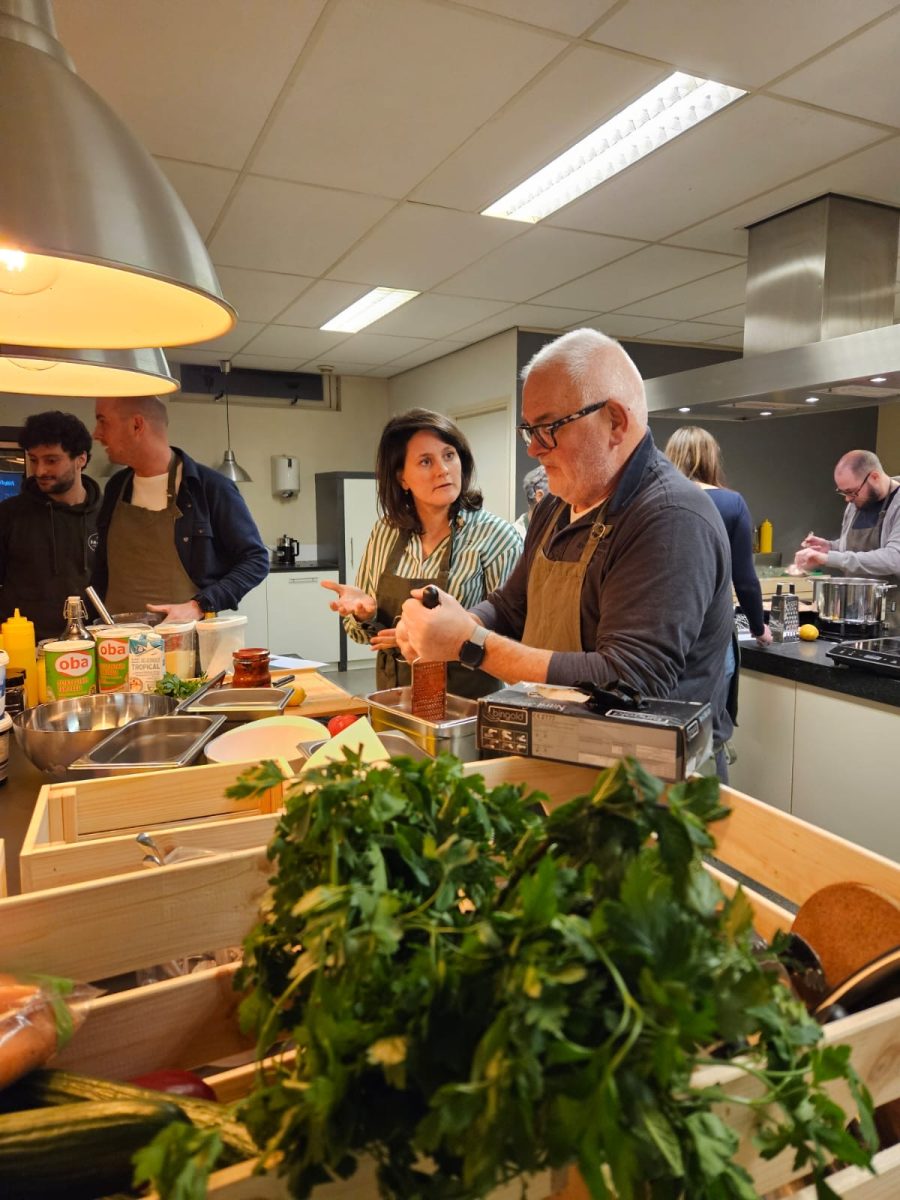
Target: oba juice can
column 71, row 669
column 112, row 656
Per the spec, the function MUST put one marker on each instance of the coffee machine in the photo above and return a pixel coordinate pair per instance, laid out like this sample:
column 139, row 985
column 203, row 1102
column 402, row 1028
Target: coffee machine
column 286, row 551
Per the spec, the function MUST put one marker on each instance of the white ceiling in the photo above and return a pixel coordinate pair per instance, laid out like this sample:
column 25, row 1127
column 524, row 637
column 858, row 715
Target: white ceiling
column 326, row 146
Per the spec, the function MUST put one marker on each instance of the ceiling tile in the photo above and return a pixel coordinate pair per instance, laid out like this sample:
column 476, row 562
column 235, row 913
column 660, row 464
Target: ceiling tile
column 417, row 246
column 643, row 274
column 715, row 165
column 378, row 348
column 539, row 259
column 402, row 83
column 436, row 316
column 213, row 68
column 289, row 341
column 260, row 295
column 692, row 331
column 852, row 77
column 528, row 316
column 203, row 190
column 265, row 362
column 871, row 174
column 581, row 91
column 324, row 300
column 694, row 299
column 726, row 316
column 229, row 343
column 203, row 358
column 730, row 40
column 340, row 366
column 565, row 16
column 732, row 340
column 620, row 325
column 278, row 226
column 429, row 353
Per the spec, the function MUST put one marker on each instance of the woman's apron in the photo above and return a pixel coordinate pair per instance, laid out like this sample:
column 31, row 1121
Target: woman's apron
column 391, row 669
column 861, row 540
column 144, row 566
column 553, row 619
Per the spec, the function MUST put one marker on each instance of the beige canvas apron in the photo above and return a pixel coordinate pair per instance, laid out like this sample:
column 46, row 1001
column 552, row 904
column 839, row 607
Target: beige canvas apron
column 553, row 619
column 144, row 567
column 861, row 540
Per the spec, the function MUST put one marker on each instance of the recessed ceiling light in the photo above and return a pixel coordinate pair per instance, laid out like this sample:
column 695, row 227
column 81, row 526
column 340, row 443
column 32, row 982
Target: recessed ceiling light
column 660, row 115
column 368, row 308
column 684, row 410
column 767, row 412
column 811, row 400
column 878, row 379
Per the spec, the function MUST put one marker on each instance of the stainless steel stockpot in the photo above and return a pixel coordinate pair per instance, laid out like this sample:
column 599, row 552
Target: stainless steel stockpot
column 856, row 601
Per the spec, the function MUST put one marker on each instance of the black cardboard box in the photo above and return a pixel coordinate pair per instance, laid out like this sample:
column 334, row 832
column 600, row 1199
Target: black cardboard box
column 670, row 738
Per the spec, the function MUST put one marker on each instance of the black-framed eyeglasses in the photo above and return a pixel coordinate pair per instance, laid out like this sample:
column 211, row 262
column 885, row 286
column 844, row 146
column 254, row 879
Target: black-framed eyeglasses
column 855, row 492
column 545, row 435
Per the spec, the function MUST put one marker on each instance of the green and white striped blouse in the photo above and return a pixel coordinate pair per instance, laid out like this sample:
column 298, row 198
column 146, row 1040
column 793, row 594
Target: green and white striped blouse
column 485, row 550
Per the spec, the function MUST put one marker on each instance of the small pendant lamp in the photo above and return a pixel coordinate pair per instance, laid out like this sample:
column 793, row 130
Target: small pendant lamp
column 229, row 466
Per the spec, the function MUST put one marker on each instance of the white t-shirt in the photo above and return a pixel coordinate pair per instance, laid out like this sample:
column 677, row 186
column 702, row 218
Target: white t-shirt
column 149, row 491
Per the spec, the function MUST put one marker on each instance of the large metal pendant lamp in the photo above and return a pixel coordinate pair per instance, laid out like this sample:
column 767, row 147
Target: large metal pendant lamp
column 229, row 466
column 42, row 371
column 96, row 248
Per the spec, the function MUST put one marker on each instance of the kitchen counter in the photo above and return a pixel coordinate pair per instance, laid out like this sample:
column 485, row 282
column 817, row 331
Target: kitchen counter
column 808, row 662
column 304, row 565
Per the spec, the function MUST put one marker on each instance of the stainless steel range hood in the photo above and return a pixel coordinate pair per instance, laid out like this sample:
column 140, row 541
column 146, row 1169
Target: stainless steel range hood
column 820, row 306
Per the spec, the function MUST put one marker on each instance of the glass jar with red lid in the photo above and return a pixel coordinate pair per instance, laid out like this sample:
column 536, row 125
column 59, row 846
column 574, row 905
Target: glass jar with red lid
column 251, row 668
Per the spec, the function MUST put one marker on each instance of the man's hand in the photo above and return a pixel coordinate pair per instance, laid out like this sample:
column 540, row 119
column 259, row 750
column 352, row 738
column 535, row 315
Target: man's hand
column 807, row 559
column 178, row 612
column 764, row 638
column 433, row 634
column 384, row 639
column 811, row 542
column 351, row 601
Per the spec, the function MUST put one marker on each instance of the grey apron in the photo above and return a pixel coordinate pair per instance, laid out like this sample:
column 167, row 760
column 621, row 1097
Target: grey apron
column 553, row 618
column 861, row 540
column 391, row 669
column 144, row 567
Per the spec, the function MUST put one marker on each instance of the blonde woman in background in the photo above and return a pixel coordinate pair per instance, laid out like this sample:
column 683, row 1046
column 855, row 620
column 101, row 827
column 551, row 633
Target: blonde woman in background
column 698, row 455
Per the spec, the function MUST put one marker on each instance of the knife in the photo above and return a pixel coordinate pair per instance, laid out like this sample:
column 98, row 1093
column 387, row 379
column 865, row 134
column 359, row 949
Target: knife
column 428, row 684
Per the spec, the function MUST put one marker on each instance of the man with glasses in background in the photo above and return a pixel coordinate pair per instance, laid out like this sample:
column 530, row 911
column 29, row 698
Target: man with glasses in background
column 869, row 541
column 626, row 573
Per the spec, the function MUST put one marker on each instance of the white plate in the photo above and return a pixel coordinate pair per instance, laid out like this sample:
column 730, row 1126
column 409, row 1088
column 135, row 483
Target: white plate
column 273, row 737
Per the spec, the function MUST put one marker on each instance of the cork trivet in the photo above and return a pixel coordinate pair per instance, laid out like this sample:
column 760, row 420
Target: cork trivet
column 848, row 925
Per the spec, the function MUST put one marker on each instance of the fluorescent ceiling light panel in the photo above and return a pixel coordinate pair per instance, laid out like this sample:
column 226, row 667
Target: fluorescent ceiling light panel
column 667, row 110
column 371, row 307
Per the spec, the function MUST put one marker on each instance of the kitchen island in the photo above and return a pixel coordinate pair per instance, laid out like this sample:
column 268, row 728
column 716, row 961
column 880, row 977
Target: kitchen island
column 819, row 741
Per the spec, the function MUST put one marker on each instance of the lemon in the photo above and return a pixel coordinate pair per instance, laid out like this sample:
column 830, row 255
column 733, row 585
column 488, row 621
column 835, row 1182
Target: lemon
column 808, row 633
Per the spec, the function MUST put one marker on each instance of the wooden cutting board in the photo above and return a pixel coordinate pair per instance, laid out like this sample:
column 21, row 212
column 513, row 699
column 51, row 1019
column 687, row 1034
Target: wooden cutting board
column 323, row 697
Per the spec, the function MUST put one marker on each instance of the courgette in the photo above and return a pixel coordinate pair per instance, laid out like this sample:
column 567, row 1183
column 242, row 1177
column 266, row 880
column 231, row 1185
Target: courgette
column 81, row 1150
column 40, row 1088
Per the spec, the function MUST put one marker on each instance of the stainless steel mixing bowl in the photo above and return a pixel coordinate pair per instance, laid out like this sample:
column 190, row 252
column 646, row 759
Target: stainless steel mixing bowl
column 53, row 735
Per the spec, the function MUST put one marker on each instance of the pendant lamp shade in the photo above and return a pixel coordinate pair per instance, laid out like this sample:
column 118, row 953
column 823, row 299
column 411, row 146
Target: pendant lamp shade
column 230, row 467
column 42, row 371
column 96, row 248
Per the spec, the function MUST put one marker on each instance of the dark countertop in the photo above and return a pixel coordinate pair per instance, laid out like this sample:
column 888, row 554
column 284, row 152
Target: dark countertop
column 807, row 662
column 303, row 565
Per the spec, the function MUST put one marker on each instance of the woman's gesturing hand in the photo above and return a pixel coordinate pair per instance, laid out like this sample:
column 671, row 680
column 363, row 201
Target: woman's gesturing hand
column 351, row 601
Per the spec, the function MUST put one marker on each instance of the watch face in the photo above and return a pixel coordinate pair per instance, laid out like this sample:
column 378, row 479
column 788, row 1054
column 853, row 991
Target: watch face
column 471, row 655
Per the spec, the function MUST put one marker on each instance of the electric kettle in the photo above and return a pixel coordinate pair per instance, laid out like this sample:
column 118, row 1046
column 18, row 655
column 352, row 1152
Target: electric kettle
column 286, row 551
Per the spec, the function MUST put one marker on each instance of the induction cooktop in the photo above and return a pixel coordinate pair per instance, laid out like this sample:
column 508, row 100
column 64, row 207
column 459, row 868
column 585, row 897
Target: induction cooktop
column 879, row 655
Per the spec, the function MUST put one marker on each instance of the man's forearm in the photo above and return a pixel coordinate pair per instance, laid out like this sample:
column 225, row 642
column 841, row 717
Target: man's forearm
column 512, row 662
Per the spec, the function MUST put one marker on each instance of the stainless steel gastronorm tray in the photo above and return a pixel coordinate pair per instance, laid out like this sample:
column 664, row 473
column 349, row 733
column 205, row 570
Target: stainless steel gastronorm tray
column 242, row 703
column 150, row 744
column 456, row 734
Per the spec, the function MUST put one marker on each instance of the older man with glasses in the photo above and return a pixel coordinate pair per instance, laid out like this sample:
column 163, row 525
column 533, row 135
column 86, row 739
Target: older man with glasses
column 869, row 542
column 626, row 573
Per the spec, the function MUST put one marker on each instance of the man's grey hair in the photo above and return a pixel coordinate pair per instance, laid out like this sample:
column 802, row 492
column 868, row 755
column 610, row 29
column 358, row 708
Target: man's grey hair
column 598, row 367
column 535, row 481
column 859, row 463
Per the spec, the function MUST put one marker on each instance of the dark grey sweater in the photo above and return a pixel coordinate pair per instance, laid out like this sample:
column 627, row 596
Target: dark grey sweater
column 656, row 607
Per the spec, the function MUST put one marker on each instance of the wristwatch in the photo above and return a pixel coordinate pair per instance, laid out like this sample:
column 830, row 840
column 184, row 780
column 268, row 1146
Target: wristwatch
column 471, row 653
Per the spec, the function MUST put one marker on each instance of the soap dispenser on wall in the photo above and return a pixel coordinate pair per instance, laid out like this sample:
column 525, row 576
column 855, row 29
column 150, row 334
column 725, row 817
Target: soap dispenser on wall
column 285, row 476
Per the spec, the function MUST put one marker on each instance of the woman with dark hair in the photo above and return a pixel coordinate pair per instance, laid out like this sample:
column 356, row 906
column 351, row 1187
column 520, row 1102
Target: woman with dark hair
column 433, row 529
column 698, row 455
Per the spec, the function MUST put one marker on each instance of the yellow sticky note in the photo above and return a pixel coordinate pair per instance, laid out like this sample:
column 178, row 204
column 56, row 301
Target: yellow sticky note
column 360, row 736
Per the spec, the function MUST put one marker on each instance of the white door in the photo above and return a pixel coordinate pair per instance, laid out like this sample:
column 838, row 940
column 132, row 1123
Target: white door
column 360, row 514
column 490, row 437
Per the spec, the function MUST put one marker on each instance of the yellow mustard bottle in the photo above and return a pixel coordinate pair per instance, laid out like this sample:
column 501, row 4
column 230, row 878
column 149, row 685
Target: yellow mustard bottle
column 18, row 639
column 765, row 537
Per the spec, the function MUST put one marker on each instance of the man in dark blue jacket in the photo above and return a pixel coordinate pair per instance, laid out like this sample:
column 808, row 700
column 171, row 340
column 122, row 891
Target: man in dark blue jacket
column 174, row 536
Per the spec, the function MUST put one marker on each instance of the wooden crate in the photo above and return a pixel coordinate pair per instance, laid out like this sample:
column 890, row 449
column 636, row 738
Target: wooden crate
column 100, row 928
column 85, row 829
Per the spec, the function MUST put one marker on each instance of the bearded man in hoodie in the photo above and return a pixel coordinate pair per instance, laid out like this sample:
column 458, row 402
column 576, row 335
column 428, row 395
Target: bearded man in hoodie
column 48, row 533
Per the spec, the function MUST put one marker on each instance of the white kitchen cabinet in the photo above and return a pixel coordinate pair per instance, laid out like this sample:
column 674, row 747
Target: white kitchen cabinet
column 300, row 621
column 764, row 739
column 254, row 607
column 346, row 510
